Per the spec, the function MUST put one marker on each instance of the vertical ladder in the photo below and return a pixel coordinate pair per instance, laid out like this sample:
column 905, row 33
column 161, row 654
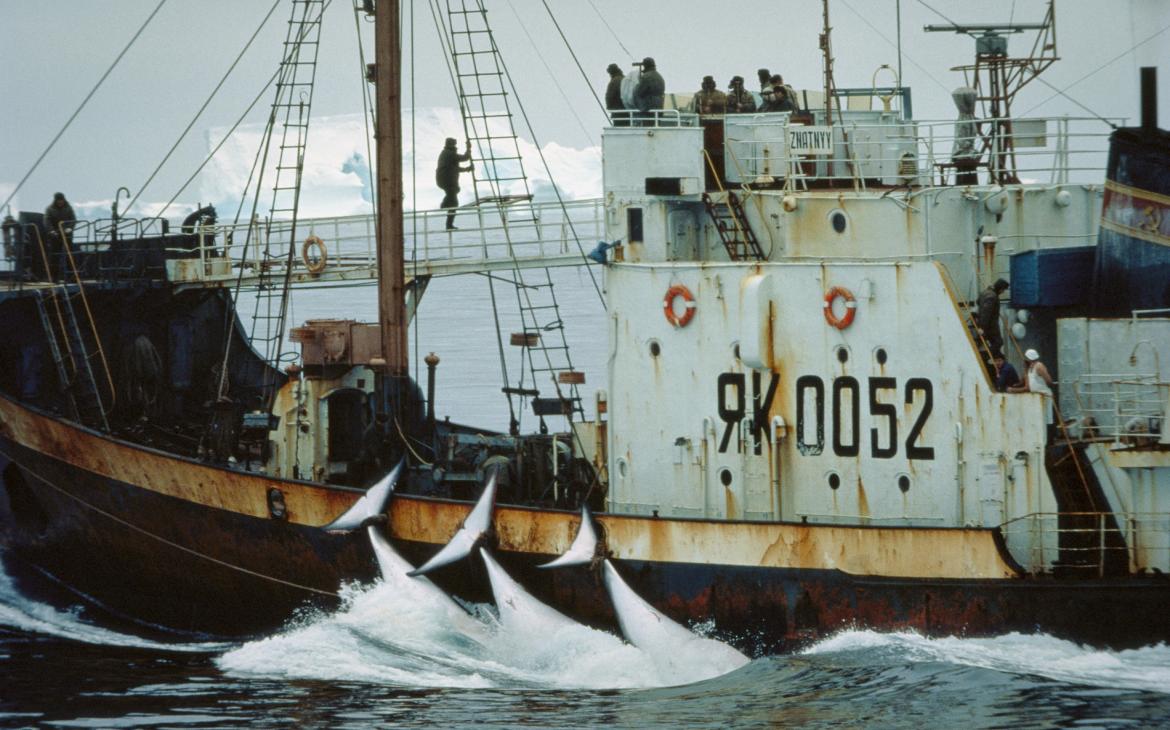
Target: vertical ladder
column 734, row 230
column 499, row 178
column 290, row 109
column 72, row 356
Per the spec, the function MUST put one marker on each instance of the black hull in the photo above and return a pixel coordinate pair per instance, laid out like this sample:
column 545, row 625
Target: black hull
column 212, row 572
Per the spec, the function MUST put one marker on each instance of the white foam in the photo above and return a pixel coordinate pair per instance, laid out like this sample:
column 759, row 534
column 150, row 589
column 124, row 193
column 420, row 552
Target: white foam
column 1147, row 668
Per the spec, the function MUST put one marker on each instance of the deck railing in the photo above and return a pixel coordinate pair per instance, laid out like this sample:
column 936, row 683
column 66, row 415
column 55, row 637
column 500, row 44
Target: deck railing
column 1089, row 543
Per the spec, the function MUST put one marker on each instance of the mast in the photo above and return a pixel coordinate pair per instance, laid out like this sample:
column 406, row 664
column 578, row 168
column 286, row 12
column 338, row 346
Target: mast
column 388, row 143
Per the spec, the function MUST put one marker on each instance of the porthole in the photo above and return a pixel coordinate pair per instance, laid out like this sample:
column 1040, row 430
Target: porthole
column 842, row 355
column 838, row 220
column 881, row 356
column 655, row 348
column 725, row 477
column 623, row 468
column 735, row 350
column 904, row 483
column 276, row 506
column 834, row 480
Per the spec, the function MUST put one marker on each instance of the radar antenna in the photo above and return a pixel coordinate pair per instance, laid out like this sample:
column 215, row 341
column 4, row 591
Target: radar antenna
column 998, row 77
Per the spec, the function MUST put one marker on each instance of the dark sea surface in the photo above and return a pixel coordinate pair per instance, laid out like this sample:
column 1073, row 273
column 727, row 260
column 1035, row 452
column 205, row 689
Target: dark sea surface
column 380, row 661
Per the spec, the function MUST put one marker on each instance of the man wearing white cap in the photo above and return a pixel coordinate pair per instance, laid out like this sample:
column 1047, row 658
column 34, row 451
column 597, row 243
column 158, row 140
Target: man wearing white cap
column 1037, row 380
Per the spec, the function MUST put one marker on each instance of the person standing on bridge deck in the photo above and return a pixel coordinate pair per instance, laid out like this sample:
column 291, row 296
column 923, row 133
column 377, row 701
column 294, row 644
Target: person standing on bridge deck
column 650, row 93
column 613, row 96
column 739, row 99
column 447, row 176
column 783, row 97
column 709, row 100
column 1038, row 380
column 59, row 222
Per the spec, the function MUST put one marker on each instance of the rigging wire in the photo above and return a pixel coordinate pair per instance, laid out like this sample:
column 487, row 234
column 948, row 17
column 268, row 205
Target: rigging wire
column 203, row 108
column 1102, row 67
column 611, row 32
column 560, row 89
column 573, row 53
column 885, row 38
column 84, row 101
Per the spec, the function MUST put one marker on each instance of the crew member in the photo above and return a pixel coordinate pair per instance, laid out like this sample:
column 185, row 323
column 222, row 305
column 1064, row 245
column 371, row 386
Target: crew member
column 739, row 99
column 783, row 98
column 709, row 100
column 1038, row 380
column 650, row 93
column 447, row 176
column 765, row 77
column 613, row 96
column 59, row 218
column 987, row 316
column 1005, row 373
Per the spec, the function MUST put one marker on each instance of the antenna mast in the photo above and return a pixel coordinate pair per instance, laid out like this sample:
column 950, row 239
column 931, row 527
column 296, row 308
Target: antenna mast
column 388, row 139
column 997, row 78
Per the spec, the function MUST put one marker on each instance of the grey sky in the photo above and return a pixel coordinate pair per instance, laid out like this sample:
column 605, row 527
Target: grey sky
column 52, row 53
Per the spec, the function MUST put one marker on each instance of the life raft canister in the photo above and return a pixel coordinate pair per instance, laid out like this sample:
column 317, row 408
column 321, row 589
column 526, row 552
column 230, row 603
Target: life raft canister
column 678, row 290
column 850, row 307
column 314, row 262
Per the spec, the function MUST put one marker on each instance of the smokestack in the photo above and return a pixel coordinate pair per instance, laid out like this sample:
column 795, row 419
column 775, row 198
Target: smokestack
column 1149, row 98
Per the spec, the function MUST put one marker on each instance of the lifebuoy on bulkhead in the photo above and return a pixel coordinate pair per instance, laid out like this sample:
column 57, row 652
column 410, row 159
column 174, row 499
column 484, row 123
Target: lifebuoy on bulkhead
column 314, row 262
column 840, row 292
column 689, row 306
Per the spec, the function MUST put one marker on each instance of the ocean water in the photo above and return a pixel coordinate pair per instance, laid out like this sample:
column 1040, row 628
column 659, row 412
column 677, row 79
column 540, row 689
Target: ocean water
column 388, row 658
column 398, row 655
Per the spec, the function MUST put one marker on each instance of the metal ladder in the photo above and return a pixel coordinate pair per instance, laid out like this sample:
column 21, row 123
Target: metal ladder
column 481, row 80
column 734, row 230
column 72, row 356
column 290, row 109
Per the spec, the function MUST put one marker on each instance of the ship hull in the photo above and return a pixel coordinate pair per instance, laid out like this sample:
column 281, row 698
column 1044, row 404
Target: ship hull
column 110, row 522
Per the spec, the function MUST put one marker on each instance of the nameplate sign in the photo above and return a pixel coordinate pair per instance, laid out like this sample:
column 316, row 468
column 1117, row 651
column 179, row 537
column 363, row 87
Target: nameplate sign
column 810, row 140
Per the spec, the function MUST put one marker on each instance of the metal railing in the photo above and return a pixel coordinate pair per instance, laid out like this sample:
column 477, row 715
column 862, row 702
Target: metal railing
column 869, row 148
column 1089, row 543
column 1116, row 407
column 653, row 118
column 533, row 234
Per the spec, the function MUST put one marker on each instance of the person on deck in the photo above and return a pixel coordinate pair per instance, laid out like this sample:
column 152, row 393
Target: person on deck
column 447, row 176
column 59, row 218
column 765, row 77
column 1038, row 380
column 987, row 316
column 782, row 99
column 613, row 95
column 709, row 100
column 739, row 99
column 1005, row 373
column 650, row 93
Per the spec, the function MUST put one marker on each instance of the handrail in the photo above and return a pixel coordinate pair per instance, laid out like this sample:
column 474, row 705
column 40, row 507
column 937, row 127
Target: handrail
column 88, row 313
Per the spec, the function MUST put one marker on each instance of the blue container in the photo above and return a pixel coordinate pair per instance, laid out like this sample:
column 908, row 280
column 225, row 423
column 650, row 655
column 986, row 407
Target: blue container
column 1052, row 277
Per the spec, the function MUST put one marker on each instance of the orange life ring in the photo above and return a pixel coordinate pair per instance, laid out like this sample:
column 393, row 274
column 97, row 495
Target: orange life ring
column 850, row 307
column 314, row 265
column 678, row 290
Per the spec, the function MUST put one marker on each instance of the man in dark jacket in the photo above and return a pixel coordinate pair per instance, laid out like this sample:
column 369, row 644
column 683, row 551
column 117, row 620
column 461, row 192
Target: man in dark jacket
column 613, row 96
column 650, row 92
column 59, row 217
column 987, row 315
column 447, row 176
column 783, row 97
column 709, row 100
column 739, row 99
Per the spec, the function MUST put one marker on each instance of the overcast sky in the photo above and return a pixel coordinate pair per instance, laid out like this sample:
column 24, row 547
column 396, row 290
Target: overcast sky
column 52, row 53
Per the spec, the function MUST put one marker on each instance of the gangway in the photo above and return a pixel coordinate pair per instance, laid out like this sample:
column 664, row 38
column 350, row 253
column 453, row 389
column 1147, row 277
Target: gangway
column 348, row 252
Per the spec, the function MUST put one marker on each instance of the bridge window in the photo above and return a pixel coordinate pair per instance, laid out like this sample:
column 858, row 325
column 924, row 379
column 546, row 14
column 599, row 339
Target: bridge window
column 634, row 225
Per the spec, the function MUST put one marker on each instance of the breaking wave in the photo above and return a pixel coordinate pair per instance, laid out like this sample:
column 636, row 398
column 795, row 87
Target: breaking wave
column 1040, row 655
column 383, row 635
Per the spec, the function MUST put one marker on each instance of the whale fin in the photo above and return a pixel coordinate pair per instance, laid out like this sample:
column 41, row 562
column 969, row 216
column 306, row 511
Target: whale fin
column 370, row 504
column 583, row 547
column 654, row 633
column 463, row 542
column 518, row 608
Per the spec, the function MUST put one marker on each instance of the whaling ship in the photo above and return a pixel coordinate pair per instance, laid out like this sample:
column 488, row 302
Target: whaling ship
column 801, row 429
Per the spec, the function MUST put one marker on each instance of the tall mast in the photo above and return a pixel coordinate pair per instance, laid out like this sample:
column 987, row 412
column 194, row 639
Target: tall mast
column 388, row 141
